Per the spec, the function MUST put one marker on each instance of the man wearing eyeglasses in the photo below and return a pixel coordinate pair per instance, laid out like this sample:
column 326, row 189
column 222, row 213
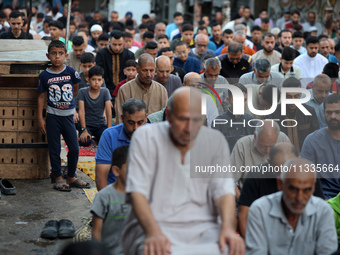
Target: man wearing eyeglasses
column 201, row 48
column 235, row 63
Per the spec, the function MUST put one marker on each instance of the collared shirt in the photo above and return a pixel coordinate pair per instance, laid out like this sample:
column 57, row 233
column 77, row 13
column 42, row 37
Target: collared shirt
column 201, row 58
column 269, row 232
column 235, row 128
column 155, row 96
column 111, row 139
column 294, row 71
column 275, row 78
column 190, row 65
column 321, row 148
column 245, row 153
column 318, row 107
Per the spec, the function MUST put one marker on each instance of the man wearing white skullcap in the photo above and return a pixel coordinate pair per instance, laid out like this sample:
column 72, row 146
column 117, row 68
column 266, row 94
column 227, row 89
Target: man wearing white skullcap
column 96, row 30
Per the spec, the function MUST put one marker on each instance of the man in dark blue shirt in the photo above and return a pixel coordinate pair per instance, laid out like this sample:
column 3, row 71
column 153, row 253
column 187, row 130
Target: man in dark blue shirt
column 15, row 32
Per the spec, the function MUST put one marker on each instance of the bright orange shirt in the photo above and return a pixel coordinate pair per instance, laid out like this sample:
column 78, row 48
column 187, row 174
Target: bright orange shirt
column 246, row 50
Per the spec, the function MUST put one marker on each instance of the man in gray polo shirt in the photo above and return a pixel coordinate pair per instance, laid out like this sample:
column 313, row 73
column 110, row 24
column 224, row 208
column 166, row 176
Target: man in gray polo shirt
column 163, row 75
column 262, row 73
column 292, row 221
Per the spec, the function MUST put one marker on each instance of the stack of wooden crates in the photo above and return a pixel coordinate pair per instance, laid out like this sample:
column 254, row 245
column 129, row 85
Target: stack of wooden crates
column 23, row 148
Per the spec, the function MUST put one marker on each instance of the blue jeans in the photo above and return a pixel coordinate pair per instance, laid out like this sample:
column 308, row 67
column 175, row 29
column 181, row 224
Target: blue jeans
column 64, row 125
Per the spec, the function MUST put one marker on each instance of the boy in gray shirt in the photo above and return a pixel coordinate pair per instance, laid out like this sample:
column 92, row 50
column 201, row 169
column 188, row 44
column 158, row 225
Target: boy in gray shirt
column 93, row 101
column 109, row 208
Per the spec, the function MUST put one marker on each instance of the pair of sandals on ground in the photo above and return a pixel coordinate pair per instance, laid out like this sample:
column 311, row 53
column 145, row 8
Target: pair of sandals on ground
column 67, row 187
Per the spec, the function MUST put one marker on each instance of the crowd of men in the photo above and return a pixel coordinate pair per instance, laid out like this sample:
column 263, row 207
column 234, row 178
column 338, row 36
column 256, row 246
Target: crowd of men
column 285, row 77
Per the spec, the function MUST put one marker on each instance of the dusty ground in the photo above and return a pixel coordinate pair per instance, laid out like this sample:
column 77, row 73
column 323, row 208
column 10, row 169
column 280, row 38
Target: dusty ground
column 23, row 216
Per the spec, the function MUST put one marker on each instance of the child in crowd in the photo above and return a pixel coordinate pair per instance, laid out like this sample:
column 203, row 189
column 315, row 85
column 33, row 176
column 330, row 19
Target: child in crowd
column 93, row 101
column 109, row 208
column 163, row 41
column 56, row 29
column 60, row 82
column 130, row 72
column 297, row 42
column 128, row 40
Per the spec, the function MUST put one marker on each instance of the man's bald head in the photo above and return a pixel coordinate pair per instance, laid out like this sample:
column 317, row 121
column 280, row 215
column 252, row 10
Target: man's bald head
column 163, row 69
column 184, row 115
column 192, row 79
column 281, row 152
column 321, row 85
column 145, row 59
column 201, row 44
column 297, row 183
column 265, row 136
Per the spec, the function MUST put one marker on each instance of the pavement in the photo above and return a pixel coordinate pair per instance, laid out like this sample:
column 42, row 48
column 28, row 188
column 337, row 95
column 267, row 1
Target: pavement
column 23, row 216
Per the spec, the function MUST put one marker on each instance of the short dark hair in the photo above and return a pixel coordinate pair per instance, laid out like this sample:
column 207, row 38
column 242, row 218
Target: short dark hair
column 288, row 54
column 263, row 10
column 103, row 37
column 130, row 28
column 268, row 35
column 215, row 24
column 127, row 35
column 119, row 156
column 56, row 23
column 331, row 69
column 82, row 25
column 130, row 62
column 47, row 20
column 117, row 26
column 291, row 82
column 187, row 27
column 297, row 34
column 15, row 14
column 283, row 31
column 55, row 10
column 227, row 31
column 151, row 45
column 331, row 99
column 40, row 15
column 78, row 40
column 295, row 12
column 143, row 26
column 133, row 105
column 265, row 20
column 165, row 49
column 2, row 15
column 177, row 14
column 255, row 28
column 202, row 28
column 311, row 39
column 240, row 86
column 87, row 57
column 337, row 47
column 267, row 93
column 96, row 70
column 148, row 34
column 181, row 43
column 57, row 44
column 116, row 34
column 163, row 37
column 145, row 16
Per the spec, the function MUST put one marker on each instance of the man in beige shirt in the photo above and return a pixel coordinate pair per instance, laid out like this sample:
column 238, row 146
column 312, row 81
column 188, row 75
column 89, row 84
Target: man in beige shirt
column 268, row 52
column 143, row 87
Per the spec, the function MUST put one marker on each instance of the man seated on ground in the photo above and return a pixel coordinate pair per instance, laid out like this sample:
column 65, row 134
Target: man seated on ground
column 183, row 60
column 254, row 149
column 321, row 147
column 292, row 219
column 173, row 229
column 210, row 76
column 143, row 87
column 297, row 125
column 134, row 116
column 262, row 74
column 200, row 50
column 286, row 67
column 268, row 52
column 258, row 184
column 163, row 75
column 235, row 63
column 226, row 122
column 78, row 48
column 175, row 70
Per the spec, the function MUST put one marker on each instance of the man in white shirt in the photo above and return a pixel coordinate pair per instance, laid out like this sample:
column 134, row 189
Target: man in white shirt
column 311, row 62
column 268, row 52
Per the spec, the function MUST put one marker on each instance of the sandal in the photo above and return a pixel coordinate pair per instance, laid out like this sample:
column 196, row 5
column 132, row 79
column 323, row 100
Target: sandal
column 66, row 229
column 62, row 186
column 80, row 184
